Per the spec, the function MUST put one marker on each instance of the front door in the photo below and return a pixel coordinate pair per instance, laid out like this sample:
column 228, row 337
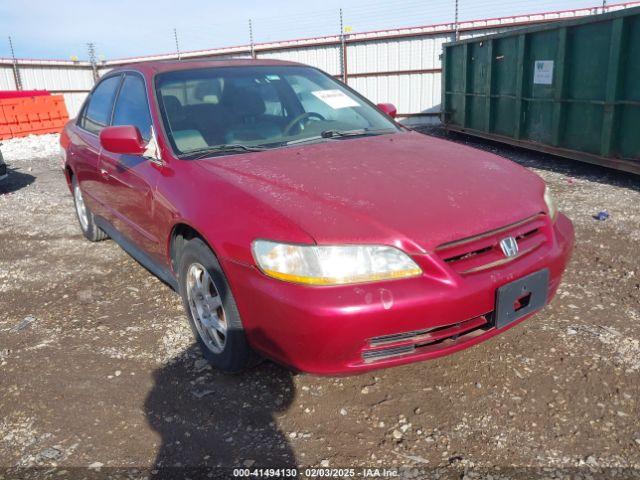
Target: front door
column 131, row 180
column 94, row 117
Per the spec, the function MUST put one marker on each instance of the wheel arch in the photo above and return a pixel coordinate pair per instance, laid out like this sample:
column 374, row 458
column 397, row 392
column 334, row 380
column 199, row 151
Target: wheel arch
column 181, row 233
column 68, row 174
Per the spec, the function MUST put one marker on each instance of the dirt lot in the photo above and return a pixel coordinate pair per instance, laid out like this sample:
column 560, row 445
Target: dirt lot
column 98, row 367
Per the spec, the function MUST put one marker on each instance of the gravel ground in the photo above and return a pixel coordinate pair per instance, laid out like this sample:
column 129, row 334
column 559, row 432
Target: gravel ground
column 98, row 368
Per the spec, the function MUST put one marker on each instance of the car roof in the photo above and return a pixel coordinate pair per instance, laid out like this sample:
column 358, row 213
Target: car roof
column 160, row 66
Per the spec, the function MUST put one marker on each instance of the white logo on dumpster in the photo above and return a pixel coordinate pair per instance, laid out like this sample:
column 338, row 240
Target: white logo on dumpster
column 543, row 72
column 509, row 247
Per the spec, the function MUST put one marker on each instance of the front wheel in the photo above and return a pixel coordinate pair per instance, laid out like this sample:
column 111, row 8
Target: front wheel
column 211, row 309
column 86, row 219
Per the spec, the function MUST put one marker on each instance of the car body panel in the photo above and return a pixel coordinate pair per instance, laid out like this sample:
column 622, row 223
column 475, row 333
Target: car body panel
column 360, row 190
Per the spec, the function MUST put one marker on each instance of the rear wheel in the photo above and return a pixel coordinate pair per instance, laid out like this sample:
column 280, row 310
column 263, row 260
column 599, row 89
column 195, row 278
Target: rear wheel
column 85, row 217
column 211, row 309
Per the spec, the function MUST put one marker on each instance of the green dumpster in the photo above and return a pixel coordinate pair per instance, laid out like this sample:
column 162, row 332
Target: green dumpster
column 571, row 88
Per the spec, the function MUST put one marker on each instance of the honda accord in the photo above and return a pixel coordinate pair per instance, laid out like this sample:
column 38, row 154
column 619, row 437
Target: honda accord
column 301, row 223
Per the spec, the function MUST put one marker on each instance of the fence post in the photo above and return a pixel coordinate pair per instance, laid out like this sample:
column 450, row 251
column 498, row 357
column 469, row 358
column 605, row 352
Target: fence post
column 175, row 37
column 343, row 50
column 16, row 70
column 251, row 44
column 92, row 59
column 456, row 28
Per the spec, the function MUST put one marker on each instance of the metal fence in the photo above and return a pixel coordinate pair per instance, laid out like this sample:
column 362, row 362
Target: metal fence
column 400, row 66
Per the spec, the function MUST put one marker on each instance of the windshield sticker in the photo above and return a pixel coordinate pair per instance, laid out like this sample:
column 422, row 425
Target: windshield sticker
column 272, row 77
column 336, row 99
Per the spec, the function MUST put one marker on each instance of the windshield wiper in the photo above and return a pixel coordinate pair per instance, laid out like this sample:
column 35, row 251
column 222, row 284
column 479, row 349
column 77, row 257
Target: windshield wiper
column 351, row 133
column 339, row 134
column 225, row 148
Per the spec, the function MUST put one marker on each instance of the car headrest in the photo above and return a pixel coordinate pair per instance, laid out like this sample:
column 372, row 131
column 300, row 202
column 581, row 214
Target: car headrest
column 172, row 105
column 243, row 101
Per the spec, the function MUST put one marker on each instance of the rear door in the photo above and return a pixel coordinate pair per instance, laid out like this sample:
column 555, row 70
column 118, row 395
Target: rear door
column 85, row 149
column 131, row 179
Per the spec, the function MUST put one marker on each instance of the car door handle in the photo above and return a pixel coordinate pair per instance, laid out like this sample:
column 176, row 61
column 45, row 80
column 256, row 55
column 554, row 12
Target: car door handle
column 104, row 173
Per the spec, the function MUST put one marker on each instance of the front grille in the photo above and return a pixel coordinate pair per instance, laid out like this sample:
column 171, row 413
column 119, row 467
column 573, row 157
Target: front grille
column 426, row 340
column 482, row 252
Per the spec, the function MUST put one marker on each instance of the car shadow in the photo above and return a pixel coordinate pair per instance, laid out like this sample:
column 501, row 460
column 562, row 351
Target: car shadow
column 533, row 159
column 15, row 181
column 210, row 422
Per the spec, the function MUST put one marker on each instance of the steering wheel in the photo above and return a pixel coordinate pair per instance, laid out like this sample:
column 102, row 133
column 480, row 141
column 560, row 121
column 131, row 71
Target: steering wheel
column 299, row 119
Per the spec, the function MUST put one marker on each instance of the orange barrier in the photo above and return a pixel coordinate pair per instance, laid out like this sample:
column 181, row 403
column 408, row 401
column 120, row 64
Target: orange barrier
column 24, row 116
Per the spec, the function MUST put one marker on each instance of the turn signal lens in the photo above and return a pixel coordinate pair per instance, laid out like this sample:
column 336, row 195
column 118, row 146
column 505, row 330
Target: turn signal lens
column 551, row 204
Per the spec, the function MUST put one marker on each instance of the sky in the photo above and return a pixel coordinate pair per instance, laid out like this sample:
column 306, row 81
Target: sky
column 61, row 29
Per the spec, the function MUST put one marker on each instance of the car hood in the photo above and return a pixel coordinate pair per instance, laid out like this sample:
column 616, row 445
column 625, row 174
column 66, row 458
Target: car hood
column 405, row 189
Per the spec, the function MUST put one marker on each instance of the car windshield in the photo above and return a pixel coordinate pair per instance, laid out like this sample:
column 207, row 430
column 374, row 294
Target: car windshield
column 256, row 107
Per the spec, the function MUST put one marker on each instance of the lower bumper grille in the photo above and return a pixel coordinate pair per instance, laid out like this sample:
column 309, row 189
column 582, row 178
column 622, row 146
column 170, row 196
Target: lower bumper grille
column 375, row 355
column 419, row 341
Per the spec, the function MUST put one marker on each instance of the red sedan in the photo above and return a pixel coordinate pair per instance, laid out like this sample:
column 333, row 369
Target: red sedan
column 298, row 221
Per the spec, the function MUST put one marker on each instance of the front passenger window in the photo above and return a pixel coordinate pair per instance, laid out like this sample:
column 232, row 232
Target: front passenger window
column 132, row 107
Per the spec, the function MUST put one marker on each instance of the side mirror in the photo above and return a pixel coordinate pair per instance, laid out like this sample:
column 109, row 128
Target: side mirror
column 389, row 109
column 124, row 139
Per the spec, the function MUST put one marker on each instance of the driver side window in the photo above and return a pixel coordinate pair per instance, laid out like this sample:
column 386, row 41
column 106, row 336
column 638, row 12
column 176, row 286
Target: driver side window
column 97, row 113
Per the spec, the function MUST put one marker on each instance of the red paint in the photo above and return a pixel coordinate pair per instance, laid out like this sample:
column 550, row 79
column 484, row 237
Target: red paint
column 125, row 140
column 406, row 189
column 23, row 93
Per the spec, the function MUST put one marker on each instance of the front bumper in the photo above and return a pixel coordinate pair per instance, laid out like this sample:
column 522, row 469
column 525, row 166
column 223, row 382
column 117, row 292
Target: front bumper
column 329, row 330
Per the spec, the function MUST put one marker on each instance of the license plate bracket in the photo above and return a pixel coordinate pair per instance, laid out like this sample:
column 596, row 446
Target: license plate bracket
column 521, row 297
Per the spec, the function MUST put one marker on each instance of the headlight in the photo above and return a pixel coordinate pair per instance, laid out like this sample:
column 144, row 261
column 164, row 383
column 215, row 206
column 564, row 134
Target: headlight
column 332, row 265
column 551, row 203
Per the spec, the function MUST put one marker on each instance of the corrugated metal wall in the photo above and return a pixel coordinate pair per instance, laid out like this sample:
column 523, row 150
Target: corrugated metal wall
column 403, row 71
column 6, row 78
column 56, row 79
column 326, row 58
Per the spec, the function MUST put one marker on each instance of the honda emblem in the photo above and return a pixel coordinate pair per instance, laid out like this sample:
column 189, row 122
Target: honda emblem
column 509, row 247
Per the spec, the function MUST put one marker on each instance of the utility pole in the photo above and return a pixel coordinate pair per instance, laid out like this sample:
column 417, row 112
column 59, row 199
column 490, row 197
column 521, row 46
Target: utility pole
column 343, row 50
column 91, row 48
column 455, row 23
column 175, row 37
column 253, row 52
column 16, row 71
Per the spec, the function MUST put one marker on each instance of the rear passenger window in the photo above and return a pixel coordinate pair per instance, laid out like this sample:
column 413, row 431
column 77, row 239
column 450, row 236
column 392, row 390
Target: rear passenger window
column 98, row 112
column 132, row 107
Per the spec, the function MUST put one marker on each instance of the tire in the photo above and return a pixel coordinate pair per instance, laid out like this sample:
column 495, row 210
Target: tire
column 85, row 218
column 211, row 309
